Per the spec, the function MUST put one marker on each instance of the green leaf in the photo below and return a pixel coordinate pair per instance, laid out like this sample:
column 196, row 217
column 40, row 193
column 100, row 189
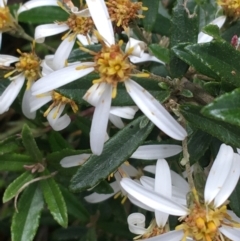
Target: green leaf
column 9, row 144
column 184, row 29
column 41, row 15
column 57, row 142
column 225, row 108
column 225, row 132
column 221, row 58
column 116, row 150
column 3, row 84
column 160, row 52
column 13, row 188
column 30, row 144
column 190, row 59
column 164, row 27
column 198, row 143
column 150, row 14
column 212, row 30
column 54, row 200
column 74, row 206
column 186, row 93
column 26, row 221
column 103, row 188
column 235, row 200
column 77, row 89
column 70, row 233
column 14, row 162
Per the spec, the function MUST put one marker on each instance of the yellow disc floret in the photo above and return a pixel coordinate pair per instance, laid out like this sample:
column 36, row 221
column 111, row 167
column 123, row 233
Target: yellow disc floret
column 6, row 20
column 124, row 11
column 231, row 7
column 59, row 100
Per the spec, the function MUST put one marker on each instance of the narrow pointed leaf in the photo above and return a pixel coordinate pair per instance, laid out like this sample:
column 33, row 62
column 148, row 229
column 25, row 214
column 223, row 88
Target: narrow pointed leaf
column 160, row 52
column 54, row 200
column 13, row 188
column 115, row 152
column 26, row 221
column 57, row 142
column 30, row 144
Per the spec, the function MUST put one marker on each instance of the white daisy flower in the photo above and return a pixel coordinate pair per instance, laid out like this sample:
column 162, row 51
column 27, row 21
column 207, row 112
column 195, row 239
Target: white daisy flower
column 112, row 71
column 202, row 221
column 27, row 67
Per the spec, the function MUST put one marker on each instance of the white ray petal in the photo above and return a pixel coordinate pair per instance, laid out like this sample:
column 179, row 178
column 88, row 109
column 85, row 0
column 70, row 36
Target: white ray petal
column 116, row 121
column 61, row 77
column 56, row 122
column 179, row 182
column 72, row 161
column 145, row 57
column 98, row 197
column 11, row 93
column 38, row 102
column 136, row 223
column 163, row 186
column 153, row 200
column 36, row 3
column 218, row 173
column 139, row 204
column 2, row 3
column 62, row 53
column 101, row 19
column 6, row 60
column 84, row 40
column 204, row 38
column 155, row 111
column 136, row 47
column 94, row 93
column 26, row 102
column 231, row 233
column 126, row 112
column 130, row 170
column 150, row 168
column 230, row 183
column 46, row 30
column 100, row 121
column 0, row 39
column 175, row 235
column 233, row 216
column 151, row 152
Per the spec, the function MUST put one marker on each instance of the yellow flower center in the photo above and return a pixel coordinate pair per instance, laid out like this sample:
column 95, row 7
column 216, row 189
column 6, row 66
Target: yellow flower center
column 80, row 25
column 231, row 7
column 124, row 11
column 6, row 21
column 59, row 100
column 203, row 222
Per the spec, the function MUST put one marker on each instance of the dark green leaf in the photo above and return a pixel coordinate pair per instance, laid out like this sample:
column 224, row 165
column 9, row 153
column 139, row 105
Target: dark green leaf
column 67, row 234
column 74, row 206
column 9, row 144
column 3, row 84
column 160, row 52
column 26, row 221
column 14, row 162
column 184, row 29
column 235, row 200
column 225, row 108
column 54, row 200
column 30, row 144
column 57, row 142
column 221, row 58
column 150, row 14
column 164, row 27
column 186, row 93
column 41, row 15
column 118, row 149
column 212, row 30
column 13, row 188
column 103, row 188
column 227, row 133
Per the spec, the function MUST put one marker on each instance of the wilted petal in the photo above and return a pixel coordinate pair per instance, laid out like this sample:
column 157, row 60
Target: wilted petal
column 36, row 3
column 6, row 60
column 144, row 58
column 11, row 92
column 61, row 77
column 152, row 199
column 151, row 152
column 136, row 47
column 47, row 30
column 82, row 13
column 231, row 233
column 204, row 38
column 155, row 111
column 116, row 121
column 72, row 161
column 97, row 197
column 218, row 173
column 100, row 121
column 126, row 112
column 26, row 102
column 136, row 223
column 62, row 53
column 230, row 183
column 101, row 19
